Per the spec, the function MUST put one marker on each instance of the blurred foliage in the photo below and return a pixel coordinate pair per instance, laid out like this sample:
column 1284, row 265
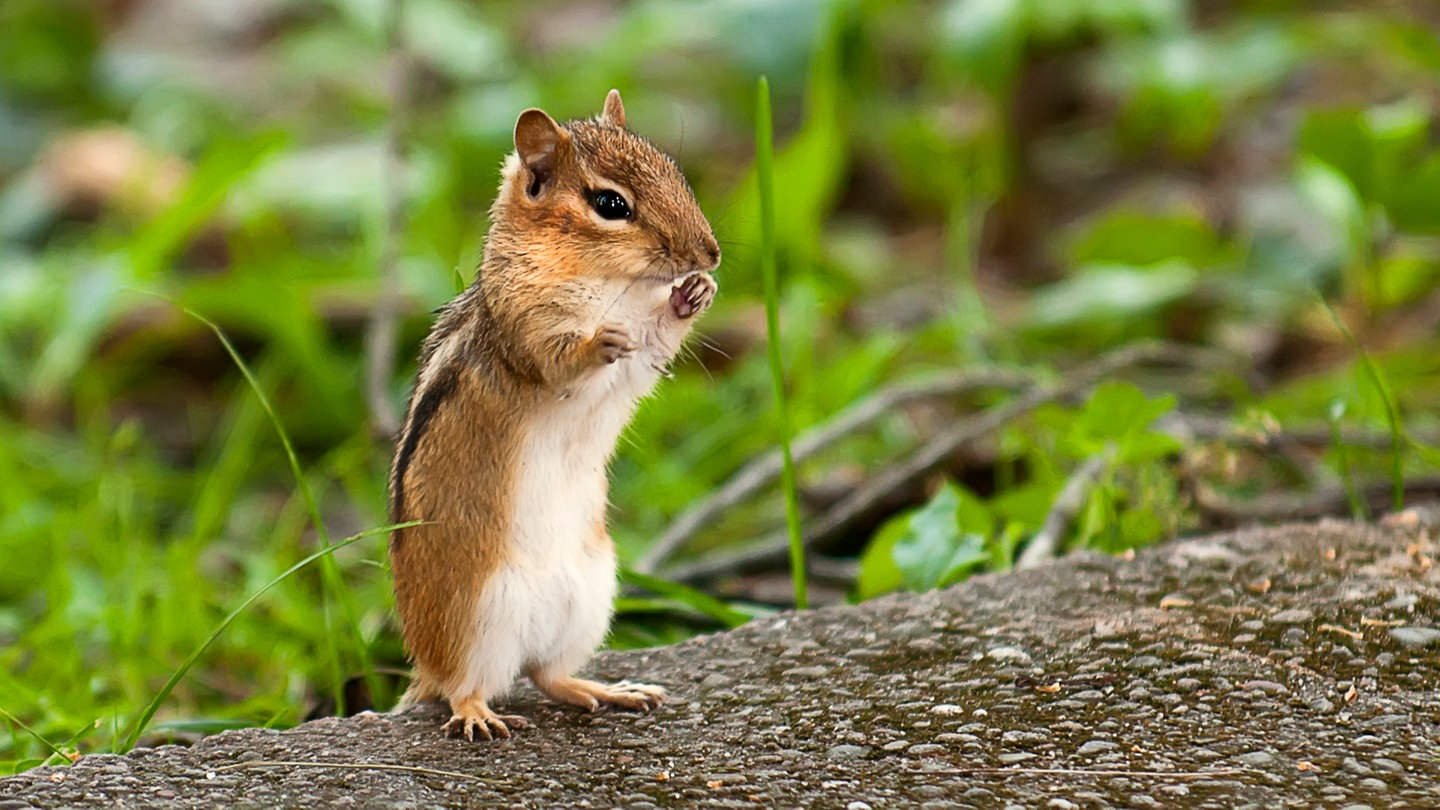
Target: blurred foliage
column 966, row 183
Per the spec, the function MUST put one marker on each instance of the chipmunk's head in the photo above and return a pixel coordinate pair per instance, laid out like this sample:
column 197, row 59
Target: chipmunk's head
column 592, row 197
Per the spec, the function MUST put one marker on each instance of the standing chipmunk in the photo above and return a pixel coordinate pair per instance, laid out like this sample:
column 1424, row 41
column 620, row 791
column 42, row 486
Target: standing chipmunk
column 596, row 265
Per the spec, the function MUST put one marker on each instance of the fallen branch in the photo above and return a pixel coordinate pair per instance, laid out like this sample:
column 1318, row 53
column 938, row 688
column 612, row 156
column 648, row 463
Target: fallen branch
column 758, row 473
column 1063, row 511
column 928, row 457
column 1190, row 427
column 1326, row 501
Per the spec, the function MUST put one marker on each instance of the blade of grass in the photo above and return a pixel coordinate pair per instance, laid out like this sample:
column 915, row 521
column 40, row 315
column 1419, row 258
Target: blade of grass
column 329, row 569
column 764, row 174
column 1358, row 507
column 1392, row 414
column 699, row 601
column 149, row 714
column 55, row 750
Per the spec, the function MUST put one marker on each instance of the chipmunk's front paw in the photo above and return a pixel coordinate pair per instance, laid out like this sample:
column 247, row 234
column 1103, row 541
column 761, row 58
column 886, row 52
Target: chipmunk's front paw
column 613, row 342
column 692, row 294
column 474, row 717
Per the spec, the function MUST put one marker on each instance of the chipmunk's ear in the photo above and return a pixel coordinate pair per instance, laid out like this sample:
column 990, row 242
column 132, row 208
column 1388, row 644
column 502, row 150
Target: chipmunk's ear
column 614, row 112
column 541, row 144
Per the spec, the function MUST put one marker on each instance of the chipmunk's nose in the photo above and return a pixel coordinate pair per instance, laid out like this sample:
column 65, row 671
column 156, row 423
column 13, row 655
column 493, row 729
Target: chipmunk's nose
column 707, row 256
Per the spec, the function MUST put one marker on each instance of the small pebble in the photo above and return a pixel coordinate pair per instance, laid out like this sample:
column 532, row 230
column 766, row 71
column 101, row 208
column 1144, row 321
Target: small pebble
column 1354, row 765
column 848, row 752
column 1293, row 616
column 1008, row 654
column 1404, row 601
column 1268, row 687
column 1413, row 637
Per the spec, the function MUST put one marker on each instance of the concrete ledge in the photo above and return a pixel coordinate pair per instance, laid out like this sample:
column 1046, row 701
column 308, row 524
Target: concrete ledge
column 1297, row 665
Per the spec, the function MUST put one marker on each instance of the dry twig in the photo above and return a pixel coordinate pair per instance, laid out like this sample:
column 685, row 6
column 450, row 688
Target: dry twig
column 756, row 474
column 1063, row 511
column 929, row 456
column 1190, row 427
column 1327, row 500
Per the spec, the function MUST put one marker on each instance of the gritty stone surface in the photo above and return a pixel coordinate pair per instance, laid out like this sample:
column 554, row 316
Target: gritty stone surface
column 1064, row 686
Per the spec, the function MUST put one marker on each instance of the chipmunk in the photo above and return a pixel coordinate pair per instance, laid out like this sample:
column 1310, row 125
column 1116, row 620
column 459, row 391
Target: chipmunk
column 596, row 265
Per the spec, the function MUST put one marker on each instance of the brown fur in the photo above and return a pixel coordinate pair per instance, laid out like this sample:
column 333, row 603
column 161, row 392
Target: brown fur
column 509, row 340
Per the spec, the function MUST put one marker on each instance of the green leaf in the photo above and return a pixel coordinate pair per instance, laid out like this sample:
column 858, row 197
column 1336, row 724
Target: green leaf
column 1337, row 138
column 1397, row 134
column 1138, row 238
column 1415, row 205
column 878, row 572
column 225, row 166
column 1026, row 505
column 1105, row 292
column 1338, row 201
column 942, row 540
column 672, row 594
column 1121, row 413
column 986, row 38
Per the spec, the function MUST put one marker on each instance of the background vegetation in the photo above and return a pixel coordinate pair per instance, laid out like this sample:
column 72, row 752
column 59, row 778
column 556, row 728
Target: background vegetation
column 976, row 199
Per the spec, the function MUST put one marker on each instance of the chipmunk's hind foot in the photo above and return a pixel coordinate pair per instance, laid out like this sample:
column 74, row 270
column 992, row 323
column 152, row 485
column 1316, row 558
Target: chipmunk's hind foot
column 473, row 717
column 592, row 695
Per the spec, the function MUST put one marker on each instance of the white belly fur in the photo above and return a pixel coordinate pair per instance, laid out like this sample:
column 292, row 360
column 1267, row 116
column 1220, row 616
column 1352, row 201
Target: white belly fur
column 549, row 605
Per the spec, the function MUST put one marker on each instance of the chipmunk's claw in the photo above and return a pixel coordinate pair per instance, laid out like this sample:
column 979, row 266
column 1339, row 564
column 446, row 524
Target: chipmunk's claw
column 594, row 696
column 640, row 697
column 474, row 717
column 692, row 295
column 614, row 342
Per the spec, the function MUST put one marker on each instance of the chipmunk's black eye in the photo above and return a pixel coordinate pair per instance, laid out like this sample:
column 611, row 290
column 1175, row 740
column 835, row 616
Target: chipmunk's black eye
column 609, row 204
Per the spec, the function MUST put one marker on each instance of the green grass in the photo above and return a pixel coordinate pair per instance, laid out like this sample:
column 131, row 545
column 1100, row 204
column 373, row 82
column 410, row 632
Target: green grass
column 764, row 176
column 337, row 630
column 143, row 721
column 1392, row 417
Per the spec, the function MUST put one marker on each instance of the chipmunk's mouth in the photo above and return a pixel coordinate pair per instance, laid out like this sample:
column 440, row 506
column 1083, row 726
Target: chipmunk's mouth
column 672, row 277
column 669, row 271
